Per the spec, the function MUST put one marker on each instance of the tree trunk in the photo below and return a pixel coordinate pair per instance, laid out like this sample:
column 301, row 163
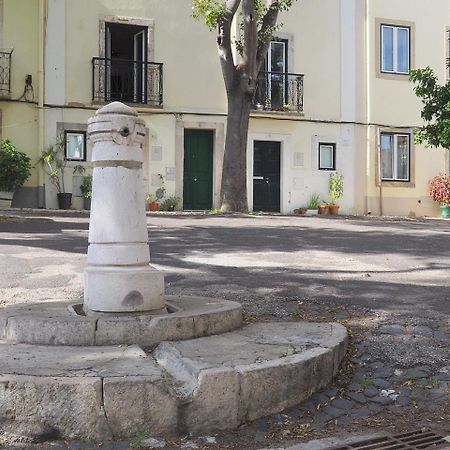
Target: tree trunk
column 234, row 174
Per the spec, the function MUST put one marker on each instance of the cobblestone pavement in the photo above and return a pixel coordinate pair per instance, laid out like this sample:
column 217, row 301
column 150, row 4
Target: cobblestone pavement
column 386, row 280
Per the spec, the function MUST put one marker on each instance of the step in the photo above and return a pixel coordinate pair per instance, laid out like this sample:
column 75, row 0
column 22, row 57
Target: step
column 201, row 385
column 57, row 323
column 259, row 370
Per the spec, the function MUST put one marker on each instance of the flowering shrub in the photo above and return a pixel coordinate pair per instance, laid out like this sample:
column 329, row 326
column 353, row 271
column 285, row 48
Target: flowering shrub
column 440, row 189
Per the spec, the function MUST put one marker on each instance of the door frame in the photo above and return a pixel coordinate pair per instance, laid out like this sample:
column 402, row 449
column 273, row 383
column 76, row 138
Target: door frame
column 218, row 130
column 285, row 145
column 148, row 23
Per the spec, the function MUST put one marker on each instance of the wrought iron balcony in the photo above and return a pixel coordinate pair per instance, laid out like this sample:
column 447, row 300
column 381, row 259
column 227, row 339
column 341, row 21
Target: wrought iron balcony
column 279, row 91
column 5, row 73
column 127, row 81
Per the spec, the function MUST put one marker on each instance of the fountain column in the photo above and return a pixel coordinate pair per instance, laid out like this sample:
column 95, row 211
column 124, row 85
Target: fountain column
column 119, row 277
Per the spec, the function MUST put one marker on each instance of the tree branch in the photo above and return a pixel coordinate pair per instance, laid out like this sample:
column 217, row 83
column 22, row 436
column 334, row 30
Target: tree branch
column 250, row 38
column 269, row 21
column 224, row 43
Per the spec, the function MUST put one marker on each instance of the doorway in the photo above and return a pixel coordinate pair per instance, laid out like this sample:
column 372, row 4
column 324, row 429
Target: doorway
column 198, row 169
column 266, row 176
column 126, row 62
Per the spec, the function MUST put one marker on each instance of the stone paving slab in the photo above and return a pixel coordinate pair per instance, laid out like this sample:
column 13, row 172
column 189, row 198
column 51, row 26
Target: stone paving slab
column 76, row 362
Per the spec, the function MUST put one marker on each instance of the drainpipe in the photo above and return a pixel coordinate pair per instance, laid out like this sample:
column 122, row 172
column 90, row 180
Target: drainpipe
column 368, row 69
column 41, row 93
column 380, row 184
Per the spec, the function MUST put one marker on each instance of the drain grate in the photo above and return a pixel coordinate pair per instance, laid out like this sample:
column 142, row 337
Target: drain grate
column 414, row 440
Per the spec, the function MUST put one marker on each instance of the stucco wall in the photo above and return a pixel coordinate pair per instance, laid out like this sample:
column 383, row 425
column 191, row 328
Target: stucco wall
column 393, row 103
column 329, row 44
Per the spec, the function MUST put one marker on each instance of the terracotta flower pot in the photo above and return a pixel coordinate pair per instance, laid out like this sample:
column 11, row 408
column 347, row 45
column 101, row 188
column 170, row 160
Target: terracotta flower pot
column 153, row 206
column 324, row 210
column 334, row 210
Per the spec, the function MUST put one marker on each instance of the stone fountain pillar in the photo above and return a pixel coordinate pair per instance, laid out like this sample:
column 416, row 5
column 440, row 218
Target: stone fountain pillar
column 119, row 277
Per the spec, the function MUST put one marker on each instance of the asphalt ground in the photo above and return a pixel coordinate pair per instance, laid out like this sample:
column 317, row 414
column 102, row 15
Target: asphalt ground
column 387, row 280
column 398, row 266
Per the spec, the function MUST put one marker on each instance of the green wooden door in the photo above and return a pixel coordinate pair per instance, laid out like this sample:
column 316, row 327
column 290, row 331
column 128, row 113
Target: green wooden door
column 198, row 169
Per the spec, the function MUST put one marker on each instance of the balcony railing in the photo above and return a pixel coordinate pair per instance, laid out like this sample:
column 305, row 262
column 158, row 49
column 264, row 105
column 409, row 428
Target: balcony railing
column 127, row 81
column 278, row 91
column 5, row 72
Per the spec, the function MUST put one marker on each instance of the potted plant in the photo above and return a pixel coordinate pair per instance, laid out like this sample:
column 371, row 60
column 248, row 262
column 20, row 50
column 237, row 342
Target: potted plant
column 336, row 192
column 15, row 168
column 313, row 205
column 53, row 162
column 152, row 204
column 86, row 190
column 440, row 192
column 324, row 208
column 154, row 199
column 170, row 203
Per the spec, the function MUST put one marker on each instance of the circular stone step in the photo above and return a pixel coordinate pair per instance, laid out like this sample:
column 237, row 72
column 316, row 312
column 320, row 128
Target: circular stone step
column 57, row 323
column 195, row 386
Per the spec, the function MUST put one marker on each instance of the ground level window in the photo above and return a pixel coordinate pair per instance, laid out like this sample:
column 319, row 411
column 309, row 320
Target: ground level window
column 327, row 156
column 395, row 156
column 75, row 145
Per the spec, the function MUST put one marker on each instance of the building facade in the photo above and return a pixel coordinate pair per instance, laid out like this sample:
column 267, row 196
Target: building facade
column 334, row 95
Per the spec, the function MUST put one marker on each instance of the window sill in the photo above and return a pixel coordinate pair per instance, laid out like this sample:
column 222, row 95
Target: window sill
column 397, row 184
column 268, row 113
column 393, row 76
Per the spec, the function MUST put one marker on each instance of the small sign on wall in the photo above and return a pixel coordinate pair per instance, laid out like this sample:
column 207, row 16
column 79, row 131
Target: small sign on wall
column 170, row 173
column 298, row 159
column 156, row 153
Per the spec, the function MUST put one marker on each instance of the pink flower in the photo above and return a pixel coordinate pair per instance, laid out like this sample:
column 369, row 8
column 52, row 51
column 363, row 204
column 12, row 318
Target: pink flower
column 440, row 189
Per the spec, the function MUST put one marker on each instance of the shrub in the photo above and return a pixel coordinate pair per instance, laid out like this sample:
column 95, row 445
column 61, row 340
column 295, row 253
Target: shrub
column 170, row 203
column 440, row 189
column 86, row 186
column 15, row 167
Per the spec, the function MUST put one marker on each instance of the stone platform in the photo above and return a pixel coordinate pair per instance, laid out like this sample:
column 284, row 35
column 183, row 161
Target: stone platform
column 57, row 323
column 198, row 385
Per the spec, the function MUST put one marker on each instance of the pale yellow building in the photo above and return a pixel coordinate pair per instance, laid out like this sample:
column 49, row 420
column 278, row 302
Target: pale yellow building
column 335, row 96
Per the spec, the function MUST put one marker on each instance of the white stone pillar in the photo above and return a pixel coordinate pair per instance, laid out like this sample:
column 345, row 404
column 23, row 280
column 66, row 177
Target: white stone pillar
column 118, row 277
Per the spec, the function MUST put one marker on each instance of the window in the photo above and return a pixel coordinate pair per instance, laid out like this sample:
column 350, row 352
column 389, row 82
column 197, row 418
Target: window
column 395, row 49
column 75, row 145
column 327, row 156
column 395, row 156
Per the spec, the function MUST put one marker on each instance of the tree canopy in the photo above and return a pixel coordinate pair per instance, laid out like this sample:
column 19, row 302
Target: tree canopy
column 436, row 108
